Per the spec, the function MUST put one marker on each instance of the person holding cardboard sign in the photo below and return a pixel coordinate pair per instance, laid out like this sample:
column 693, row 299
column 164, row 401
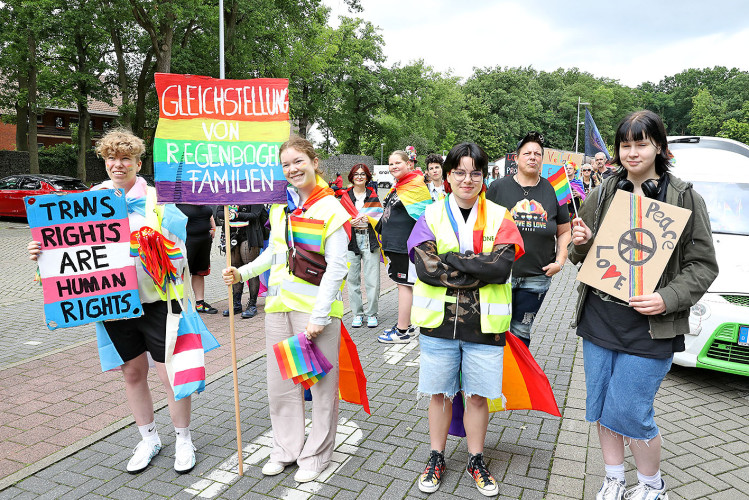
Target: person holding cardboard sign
column 125, row 342
column 315, row 226
column 628, row 346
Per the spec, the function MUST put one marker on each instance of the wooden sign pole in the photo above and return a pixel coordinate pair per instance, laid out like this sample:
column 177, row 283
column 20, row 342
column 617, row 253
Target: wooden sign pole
column 227, row 238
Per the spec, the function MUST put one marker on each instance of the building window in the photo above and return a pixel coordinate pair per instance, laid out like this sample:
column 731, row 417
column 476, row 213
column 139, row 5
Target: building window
column 105, row 126
column 59, row 122
column 40, row 119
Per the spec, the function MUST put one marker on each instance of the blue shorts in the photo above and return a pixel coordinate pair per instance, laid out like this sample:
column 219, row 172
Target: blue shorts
column 527, row 296
column 621, row 390
column 443, row 360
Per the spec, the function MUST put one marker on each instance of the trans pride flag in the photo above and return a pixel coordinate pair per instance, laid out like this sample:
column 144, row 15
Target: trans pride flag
column 217, row 141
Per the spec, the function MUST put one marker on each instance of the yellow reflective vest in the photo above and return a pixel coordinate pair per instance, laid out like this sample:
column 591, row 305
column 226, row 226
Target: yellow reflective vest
column 286, row 292
column 495, row 300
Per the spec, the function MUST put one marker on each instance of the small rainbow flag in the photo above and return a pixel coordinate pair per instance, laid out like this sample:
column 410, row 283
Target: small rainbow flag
column 561, row 186
column 636, row 279
column 300, row 359
column 307, row 233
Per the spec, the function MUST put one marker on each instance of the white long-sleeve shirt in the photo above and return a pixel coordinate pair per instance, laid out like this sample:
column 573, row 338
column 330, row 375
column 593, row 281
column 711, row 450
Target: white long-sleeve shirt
column 336, row 247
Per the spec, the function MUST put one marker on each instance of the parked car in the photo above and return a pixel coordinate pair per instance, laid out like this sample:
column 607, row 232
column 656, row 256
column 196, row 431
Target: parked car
column 383, row 177
column 719, row 323
column 15, row 187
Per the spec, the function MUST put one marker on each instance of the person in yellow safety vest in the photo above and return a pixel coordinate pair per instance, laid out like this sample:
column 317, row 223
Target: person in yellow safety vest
column 293, row 305
column 124, row 343
column 463, row 248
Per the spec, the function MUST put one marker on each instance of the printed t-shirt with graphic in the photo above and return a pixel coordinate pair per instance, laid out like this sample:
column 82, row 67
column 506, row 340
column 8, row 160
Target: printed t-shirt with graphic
column 536, row 215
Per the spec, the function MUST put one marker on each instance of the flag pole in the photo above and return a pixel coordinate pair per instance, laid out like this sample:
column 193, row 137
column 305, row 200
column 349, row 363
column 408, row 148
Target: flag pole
column 227, row 238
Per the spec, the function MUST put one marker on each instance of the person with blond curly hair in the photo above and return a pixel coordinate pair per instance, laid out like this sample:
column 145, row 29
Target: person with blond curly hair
column 133, row 338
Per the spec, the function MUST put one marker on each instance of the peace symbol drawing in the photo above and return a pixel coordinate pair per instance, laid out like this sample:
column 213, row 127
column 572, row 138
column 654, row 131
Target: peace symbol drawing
column 635, row 240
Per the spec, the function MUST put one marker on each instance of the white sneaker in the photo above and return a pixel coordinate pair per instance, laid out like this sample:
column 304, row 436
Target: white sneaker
column 142, row 455
column 273, row 468
column 612, row 489
column 372, row 322
column 305, row 476
column 184, row 456
column 393, row 336
column 646, row 492
column 357, row 322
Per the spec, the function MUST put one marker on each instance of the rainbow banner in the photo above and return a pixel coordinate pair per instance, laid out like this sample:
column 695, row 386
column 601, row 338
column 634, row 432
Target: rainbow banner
column 217, row 141
column 636, row 253
column 561, row 186
column 307, row 234
column 300, row 359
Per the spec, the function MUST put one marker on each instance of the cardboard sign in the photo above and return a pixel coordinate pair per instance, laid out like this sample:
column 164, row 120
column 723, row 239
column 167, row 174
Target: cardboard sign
column 86, row 269
column 633, row 245
column 554, row 159
column 217, row 141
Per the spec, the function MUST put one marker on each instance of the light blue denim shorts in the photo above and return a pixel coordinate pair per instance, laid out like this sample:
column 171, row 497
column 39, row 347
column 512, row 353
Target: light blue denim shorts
column 621, row 390
column 443, row 360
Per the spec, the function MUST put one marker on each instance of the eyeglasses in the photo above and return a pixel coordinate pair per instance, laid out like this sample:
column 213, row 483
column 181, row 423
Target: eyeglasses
column 359, row 174
column 459, row 175
column 587, row 170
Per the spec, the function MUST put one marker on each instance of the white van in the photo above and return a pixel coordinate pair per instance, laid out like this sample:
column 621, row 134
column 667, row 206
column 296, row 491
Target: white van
column 382, row 176
column 719, row 323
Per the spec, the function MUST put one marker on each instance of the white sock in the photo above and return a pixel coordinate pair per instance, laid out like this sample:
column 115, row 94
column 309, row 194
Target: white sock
column 615, row 471
column 149, row 432
column 183, row 434
column 652, row 481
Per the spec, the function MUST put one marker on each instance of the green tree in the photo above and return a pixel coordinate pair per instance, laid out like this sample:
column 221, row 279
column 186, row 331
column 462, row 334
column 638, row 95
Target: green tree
column 706, row 114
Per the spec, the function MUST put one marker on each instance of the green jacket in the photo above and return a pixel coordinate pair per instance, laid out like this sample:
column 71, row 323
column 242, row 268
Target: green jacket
column 688, row 273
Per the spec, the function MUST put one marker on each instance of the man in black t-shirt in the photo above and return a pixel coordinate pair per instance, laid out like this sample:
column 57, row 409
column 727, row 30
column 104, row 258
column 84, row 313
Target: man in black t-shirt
column 544, row 226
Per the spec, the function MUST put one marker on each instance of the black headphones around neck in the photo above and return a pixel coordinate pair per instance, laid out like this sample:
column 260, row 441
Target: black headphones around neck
column 650, row 188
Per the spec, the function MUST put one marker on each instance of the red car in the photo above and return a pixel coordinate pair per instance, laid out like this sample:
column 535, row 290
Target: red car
column 15, row 187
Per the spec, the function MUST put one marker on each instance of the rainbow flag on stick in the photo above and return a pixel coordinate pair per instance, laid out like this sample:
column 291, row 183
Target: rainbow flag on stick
column 561, row 186
column 524, row 386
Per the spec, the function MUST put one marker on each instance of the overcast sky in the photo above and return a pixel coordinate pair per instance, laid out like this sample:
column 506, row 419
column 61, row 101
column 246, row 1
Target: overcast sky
column 630, row 41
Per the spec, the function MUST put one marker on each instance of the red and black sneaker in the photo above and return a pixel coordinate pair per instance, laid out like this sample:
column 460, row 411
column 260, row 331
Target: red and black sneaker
column 485, row 483
column 430, row 480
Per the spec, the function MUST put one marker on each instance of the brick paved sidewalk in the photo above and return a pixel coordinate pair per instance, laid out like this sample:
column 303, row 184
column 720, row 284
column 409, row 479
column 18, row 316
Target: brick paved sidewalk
column 533, row 455
column 376, row 456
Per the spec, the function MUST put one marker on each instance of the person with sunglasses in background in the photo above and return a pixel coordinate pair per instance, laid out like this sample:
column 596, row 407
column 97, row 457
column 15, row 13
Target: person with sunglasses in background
column 588, row 179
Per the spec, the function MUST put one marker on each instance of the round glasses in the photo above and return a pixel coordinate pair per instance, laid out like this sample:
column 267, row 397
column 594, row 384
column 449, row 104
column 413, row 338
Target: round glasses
column 476, row 175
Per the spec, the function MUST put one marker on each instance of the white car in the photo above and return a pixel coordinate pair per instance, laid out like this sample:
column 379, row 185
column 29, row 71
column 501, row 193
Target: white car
column 383, row 177
column 719, row 323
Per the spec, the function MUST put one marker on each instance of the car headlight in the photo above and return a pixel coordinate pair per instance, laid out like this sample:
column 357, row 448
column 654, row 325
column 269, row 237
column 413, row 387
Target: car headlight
column 697, row 314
